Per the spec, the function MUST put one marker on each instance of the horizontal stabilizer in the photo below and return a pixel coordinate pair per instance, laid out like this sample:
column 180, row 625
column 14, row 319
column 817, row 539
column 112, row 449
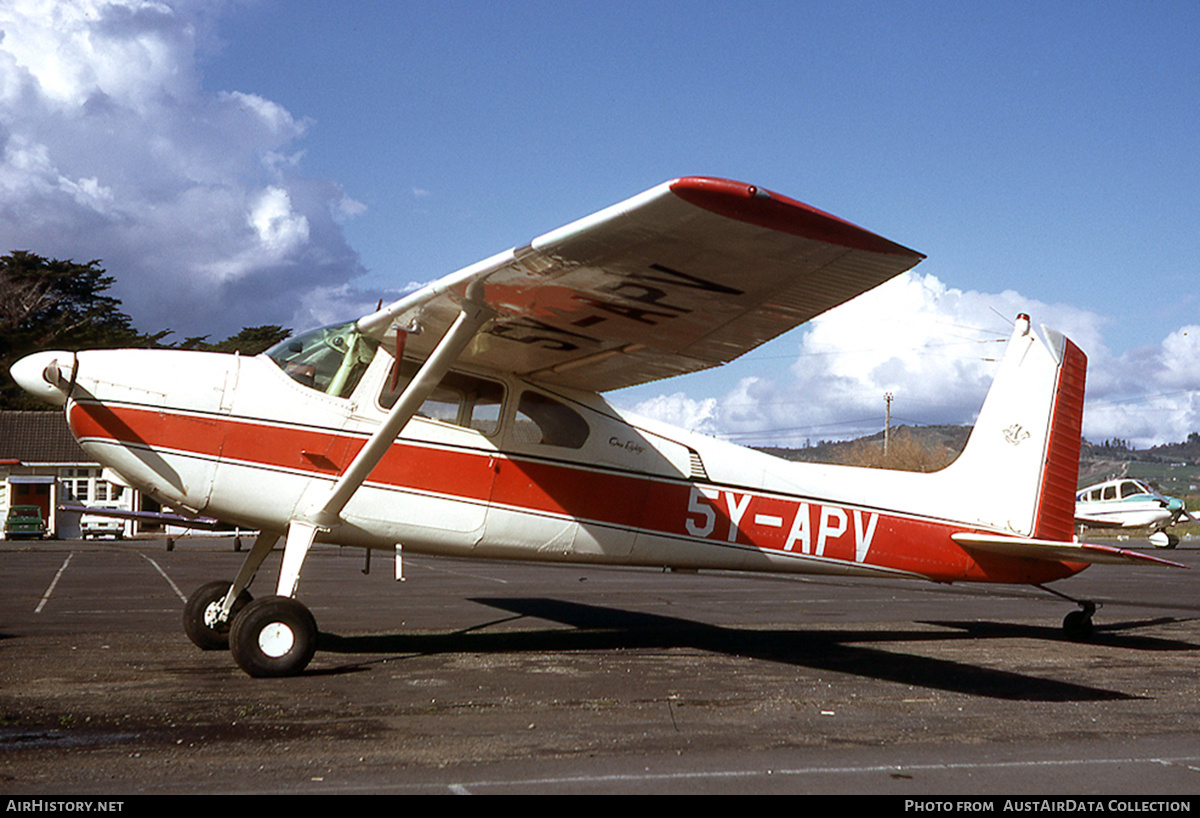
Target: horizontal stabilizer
column 1057, row 550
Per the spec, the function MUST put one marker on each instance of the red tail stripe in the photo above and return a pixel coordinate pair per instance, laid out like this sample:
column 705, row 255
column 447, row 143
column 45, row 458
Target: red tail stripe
column 1056, row 505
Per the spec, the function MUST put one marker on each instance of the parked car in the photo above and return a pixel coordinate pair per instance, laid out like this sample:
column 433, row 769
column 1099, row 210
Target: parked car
column 92, row 525
column 24, row 522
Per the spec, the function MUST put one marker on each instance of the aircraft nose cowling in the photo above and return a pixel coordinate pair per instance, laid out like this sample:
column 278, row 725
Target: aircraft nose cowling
column 45, row 375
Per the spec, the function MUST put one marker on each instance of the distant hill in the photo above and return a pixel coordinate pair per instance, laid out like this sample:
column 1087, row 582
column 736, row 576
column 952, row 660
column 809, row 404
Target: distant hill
column 1187, row 452
column 1174, row 468
column 950, row 439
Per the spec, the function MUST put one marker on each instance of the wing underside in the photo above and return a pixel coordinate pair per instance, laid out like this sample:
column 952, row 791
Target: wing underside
column 688, row 275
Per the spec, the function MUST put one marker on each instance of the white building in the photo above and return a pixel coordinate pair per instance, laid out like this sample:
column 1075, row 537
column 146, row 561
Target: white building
column 41, row 464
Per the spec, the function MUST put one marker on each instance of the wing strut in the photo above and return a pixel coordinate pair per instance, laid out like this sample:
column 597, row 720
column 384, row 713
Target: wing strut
column 325, row 512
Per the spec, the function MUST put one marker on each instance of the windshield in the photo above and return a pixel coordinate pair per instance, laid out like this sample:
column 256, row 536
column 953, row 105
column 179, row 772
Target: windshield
column 330, row 359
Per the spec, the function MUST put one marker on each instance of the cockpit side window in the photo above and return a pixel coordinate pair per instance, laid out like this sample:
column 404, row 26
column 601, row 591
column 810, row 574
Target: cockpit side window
column 461, row 399
column 1130, row 488
column 542, row 419
column 330, row 359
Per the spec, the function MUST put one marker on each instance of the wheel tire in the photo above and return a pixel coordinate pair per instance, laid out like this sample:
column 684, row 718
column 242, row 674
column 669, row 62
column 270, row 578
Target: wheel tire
column 1077, row 625
column 273, row 636
column 200, row 612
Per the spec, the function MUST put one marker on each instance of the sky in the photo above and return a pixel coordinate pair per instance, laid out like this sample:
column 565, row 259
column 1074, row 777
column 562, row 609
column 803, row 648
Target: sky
column 245, row 162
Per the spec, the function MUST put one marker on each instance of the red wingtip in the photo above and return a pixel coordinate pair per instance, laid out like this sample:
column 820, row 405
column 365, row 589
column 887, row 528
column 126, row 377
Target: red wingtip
column 755, row 205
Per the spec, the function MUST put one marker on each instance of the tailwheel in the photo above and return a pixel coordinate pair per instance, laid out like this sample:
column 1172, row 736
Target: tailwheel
column 202, row 621
column 1077, row 625
column 273, row 636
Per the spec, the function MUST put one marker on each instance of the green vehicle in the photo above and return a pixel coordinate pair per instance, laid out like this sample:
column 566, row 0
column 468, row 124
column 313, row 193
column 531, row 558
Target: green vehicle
column 24, row 522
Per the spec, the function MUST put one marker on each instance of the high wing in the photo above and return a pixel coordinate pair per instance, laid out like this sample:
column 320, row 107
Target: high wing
column 688, row 275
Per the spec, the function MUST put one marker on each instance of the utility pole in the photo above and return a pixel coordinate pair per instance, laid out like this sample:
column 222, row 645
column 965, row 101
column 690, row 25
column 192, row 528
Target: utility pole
column 887, row 423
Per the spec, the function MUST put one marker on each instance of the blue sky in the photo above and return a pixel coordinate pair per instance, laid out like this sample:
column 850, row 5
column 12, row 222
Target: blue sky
column 241, row 163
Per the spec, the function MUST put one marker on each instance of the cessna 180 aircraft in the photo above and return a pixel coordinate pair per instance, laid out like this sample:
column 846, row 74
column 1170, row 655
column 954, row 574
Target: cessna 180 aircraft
column 1129, row 503
column 466, row 419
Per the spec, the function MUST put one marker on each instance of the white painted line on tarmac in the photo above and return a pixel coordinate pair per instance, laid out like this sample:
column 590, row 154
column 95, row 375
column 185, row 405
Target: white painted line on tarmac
column 471, row 787
column 174, row 587
column 439, row 569
column 46, row 596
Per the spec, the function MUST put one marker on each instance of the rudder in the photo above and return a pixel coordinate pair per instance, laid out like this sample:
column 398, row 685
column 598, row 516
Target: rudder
column 1055, row 518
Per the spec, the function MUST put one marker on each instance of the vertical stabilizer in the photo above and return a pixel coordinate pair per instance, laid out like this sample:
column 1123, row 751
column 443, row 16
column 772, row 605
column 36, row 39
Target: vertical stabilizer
column 1020, row 465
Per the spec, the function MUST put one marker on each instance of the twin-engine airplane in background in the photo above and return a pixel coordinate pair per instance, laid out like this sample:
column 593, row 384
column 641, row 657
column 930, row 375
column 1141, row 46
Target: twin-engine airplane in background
column 465, row 419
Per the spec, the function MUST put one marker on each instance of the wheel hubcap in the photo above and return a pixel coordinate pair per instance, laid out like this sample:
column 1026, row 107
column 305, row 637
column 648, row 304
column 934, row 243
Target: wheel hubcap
column 212, row 616
column 276, row 639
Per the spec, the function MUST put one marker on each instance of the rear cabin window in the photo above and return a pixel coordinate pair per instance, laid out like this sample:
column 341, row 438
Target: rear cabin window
column 460, row 399
column 544, row 420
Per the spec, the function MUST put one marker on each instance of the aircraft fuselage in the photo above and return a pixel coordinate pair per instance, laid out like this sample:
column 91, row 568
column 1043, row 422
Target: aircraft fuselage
column 237, row 438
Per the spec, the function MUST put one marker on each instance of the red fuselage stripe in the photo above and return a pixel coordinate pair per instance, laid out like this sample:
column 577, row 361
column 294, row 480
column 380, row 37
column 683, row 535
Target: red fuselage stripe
column 722, row 515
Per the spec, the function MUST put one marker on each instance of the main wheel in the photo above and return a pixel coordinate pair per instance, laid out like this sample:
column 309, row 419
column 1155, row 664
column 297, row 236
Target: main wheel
column 200, row 615
column 1161, row 539
column 273, row 636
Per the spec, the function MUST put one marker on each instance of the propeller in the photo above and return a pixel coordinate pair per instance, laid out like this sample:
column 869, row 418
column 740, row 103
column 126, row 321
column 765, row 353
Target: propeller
column 1177, row 508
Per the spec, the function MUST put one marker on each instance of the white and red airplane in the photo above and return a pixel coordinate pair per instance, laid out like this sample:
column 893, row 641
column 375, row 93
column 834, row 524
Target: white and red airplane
column 465, row 419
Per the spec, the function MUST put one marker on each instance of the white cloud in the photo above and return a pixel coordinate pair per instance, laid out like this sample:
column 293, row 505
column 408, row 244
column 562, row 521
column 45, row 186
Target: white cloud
column 347, row 208
column 280, row 229
column 275, row 118
column 1149, row 395
column 194, row 201
column 934, row 349
column 72, row 50
column 679, row 410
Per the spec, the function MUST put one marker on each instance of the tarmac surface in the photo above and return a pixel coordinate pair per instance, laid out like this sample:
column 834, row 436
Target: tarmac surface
column 505, row 678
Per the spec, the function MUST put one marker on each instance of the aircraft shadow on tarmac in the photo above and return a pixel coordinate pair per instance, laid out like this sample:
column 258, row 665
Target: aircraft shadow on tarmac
column 599, row 628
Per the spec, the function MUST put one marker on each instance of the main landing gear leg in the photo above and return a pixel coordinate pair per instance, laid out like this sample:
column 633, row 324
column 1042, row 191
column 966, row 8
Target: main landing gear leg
column 277, row 635
column 211, row 607
column 1077, row 625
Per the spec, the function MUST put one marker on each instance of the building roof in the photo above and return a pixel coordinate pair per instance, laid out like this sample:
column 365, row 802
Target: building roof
column 39, row 437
